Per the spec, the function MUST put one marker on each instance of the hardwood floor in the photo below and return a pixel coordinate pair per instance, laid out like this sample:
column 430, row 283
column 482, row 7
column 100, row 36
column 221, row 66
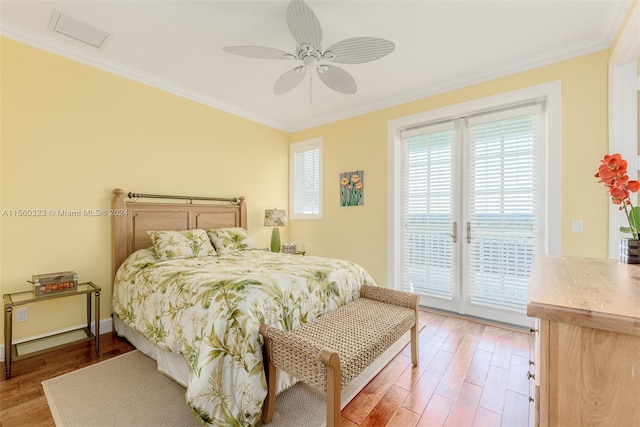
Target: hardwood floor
column 470, row 374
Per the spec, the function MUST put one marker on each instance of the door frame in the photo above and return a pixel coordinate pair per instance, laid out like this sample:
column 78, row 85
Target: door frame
column 624, row 84
column 548, row 92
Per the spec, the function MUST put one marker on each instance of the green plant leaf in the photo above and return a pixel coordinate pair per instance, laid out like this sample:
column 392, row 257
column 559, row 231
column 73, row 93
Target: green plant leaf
column 634, row 218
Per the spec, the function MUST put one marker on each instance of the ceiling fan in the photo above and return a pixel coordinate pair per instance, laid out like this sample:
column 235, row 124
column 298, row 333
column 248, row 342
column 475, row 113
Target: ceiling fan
column 307, row 32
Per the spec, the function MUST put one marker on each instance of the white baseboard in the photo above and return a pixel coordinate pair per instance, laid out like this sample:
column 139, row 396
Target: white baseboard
column 106, row 325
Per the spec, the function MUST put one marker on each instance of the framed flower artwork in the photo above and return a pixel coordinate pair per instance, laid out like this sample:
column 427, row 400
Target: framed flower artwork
column 352, row 188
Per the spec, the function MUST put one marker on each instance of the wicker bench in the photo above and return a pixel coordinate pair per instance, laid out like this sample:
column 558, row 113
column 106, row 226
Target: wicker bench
column 331, row 350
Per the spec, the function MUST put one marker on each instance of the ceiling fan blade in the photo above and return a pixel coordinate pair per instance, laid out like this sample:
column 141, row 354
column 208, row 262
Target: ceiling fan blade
column 338, row 79
column 258, row 52
column 289, row 80
column 360, row 49
column 303, row 23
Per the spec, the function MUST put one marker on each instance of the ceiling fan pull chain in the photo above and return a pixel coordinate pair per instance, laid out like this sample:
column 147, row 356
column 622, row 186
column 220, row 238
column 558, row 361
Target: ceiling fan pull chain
column 310, row 92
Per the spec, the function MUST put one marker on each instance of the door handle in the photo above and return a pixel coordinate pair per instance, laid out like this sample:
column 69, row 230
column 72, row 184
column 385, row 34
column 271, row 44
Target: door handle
column 468, row 232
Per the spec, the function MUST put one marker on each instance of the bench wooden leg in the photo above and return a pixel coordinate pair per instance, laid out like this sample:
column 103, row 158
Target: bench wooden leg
column 269, row 401
column 414, row 304
column 332, row 361
column 415, row 356
column 268, row 406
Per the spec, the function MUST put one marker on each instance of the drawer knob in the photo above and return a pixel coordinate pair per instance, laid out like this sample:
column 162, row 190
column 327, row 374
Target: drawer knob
column 531, row 362
column 532, row 330
column 531, row 376
column 531, row 399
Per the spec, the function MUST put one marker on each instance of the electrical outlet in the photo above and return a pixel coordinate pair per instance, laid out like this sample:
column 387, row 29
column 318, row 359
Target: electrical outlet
column 21, row 315
column 576, row 226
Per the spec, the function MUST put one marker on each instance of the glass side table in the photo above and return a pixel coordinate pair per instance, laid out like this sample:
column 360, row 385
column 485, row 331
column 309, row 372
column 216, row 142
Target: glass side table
column 23, row 350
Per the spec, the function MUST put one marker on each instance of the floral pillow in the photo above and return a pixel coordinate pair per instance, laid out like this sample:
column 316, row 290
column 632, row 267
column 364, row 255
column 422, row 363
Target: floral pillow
column 180, row 244
column 227, row 240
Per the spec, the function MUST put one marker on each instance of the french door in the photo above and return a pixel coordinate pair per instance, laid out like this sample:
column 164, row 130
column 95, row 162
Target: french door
column 470, row 202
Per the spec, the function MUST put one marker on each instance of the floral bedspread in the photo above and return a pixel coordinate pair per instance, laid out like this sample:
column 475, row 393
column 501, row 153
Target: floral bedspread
column 210, row 308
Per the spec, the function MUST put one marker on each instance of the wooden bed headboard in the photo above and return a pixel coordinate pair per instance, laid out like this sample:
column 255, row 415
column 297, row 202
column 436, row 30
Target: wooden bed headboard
column 130, row 220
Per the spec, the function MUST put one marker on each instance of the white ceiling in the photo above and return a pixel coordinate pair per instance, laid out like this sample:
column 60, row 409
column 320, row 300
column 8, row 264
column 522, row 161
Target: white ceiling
column 440, row 45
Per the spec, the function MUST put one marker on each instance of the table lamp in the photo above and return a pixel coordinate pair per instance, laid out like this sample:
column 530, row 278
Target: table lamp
column 275, row 218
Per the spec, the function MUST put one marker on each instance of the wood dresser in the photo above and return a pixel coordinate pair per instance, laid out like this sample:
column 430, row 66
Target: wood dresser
column 587, row 356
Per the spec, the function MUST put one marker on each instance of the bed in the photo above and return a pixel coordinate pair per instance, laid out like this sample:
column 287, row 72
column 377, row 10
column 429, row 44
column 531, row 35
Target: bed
column 199, row 315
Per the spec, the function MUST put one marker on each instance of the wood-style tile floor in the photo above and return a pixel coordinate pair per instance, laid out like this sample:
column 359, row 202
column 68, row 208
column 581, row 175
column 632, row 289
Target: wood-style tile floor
column 470, row 374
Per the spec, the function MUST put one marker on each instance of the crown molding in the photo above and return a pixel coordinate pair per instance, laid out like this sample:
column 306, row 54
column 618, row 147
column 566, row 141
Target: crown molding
column 557, row 55
column 627, row 48
column 86, row 57
column 98, row 61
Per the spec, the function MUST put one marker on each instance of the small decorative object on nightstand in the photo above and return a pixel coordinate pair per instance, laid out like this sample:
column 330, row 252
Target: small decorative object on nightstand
column 15, row 352
column 289, row 248
column 46, row 284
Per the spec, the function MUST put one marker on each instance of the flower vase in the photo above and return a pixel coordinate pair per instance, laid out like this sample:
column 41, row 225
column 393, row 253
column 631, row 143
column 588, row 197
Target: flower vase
column 629, row 251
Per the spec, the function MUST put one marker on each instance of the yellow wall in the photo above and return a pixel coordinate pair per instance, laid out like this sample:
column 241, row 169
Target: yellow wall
column 360, row 143
column 71, row 133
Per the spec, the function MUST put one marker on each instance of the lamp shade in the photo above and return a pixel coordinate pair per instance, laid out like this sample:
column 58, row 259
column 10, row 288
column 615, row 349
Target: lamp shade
column 275, row 218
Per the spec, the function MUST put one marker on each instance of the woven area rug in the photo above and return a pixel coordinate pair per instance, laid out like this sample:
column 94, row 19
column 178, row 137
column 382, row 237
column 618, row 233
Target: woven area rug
column 128, row 391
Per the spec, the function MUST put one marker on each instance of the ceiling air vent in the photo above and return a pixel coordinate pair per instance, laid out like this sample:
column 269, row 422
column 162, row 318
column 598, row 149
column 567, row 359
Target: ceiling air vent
column 78, row 30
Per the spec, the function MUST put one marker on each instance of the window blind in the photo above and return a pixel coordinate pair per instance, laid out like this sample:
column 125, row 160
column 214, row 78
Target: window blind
column 305, row 177
column 426, row 203
column 502, row 206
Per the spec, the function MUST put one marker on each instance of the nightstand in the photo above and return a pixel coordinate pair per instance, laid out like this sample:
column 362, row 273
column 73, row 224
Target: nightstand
column 15, row 352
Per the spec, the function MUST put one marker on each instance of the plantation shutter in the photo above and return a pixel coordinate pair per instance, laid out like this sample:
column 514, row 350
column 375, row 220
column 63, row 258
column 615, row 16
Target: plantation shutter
column 503, row 205
column 305, row 179
column 427, row 210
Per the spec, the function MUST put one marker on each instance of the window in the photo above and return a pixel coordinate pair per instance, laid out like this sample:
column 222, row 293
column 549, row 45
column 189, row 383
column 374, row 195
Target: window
column 305, row 179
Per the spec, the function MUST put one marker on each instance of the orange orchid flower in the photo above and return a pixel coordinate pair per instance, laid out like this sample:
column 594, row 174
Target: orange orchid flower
column 613, row 174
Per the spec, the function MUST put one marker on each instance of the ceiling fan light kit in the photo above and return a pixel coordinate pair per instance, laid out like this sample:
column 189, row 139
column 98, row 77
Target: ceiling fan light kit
column 306, row 30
